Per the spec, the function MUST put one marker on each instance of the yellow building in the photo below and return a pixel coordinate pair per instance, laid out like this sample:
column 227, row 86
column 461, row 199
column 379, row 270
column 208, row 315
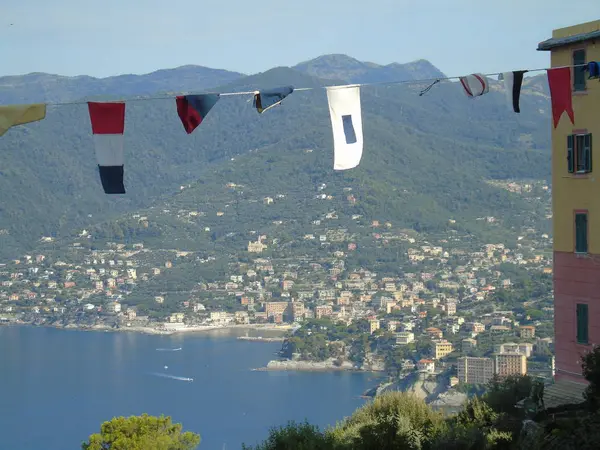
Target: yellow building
column 298, row 311
column 508, row 364
column 576, row 202
column 442, row 348
column 450, row 308
column 374, row 325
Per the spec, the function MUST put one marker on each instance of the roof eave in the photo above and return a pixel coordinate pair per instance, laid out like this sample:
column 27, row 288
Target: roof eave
column 553, row 43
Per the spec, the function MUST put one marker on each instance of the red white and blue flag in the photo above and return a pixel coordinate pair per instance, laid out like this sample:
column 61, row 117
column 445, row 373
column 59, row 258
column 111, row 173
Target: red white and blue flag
column 108, row 125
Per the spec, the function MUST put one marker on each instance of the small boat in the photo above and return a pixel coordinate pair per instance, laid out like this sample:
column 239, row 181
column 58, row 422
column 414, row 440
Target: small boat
column 166, row 367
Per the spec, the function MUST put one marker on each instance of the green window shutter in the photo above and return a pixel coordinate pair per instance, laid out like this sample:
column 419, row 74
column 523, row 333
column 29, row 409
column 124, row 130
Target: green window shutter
column 584, row 233
column 582, row 323
column 579, row 72
column 585, row 320
column 581, row 233
column 578, row 321
column 571, row 153
column 577, row 233
column 587, row 151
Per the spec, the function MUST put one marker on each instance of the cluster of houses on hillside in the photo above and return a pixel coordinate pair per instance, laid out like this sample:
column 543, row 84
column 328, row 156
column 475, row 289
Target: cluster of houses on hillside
column 434, row 290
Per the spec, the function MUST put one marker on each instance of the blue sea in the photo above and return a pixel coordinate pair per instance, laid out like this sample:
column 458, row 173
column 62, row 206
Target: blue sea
column 58, row 386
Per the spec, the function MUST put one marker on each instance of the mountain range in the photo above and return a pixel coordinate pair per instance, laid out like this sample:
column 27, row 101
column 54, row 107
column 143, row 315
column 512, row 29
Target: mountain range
column 427, row 158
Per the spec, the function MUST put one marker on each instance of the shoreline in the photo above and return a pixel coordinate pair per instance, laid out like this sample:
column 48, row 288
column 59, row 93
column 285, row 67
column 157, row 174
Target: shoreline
column 261, row 339
column 167, row 331
column 311, row 369
column 313, row 366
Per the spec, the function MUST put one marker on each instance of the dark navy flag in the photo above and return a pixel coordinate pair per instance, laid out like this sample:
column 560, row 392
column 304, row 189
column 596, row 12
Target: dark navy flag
column 264, row 100
column 192, row 109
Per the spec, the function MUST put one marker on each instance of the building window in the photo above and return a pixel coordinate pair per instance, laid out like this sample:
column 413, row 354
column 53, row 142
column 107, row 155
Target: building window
column 579, row 153
column 582, row 323
column 581, row 232
column 579, row 72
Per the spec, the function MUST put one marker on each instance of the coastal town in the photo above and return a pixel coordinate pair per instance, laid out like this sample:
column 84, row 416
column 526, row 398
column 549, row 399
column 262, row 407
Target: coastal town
column 450, row 310
column 271, row 244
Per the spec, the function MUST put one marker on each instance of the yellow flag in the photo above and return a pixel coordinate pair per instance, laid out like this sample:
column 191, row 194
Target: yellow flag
column 19, row 114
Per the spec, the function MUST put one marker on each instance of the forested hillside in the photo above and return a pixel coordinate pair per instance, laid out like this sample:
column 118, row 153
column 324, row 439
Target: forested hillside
column 425, row 159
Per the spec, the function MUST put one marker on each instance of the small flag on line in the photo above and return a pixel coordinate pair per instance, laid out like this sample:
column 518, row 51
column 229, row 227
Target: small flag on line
column 192, row 109
column 108, row 125
column 346, row 123
column 13, row 115
column 265, row 100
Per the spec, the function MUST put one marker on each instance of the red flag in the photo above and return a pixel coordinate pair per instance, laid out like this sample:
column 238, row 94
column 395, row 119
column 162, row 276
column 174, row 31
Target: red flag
column 560, row 92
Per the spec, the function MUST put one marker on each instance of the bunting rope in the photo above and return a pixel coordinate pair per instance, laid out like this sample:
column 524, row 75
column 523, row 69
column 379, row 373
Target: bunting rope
column 380, row 83
column 108, row 117
column 428, row 88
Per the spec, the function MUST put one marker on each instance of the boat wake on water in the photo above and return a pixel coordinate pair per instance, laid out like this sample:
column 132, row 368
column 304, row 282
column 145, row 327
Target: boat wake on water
column 173, row 377
column 169, row 349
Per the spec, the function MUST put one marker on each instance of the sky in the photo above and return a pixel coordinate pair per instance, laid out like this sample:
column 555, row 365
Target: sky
column 111, row 37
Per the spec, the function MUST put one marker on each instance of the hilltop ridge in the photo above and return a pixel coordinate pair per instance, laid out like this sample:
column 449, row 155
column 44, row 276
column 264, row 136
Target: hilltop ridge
column 354, row 71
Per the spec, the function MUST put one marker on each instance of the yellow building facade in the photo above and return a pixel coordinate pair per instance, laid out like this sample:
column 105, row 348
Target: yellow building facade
column 566, row 187
column 442, row 348
column 510, row 364
column 576, row 201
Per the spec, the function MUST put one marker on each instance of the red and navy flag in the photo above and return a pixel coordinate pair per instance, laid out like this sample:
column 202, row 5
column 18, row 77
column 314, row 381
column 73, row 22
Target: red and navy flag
column 193, row 109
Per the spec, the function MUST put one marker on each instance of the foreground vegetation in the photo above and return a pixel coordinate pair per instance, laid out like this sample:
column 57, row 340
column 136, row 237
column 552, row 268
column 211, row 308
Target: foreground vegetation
column 141, row 433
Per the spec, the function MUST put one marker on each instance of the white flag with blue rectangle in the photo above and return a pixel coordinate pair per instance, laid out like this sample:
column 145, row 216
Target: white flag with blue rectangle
column 346, row 123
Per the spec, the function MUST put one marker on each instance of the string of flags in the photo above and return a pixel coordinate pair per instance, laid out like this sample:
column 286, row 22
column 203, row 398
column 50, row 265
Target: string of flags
column 108, row 118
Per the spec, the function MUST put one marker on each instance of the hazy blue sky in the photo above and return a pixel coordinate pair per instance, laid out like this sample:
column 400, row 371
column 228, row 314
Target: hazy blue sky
column 109, row 37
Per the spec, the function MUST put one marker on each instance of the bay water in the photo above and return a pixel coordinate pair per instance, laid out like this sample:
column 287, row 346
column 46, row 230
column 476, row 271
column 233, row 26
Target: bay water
column 58, row 386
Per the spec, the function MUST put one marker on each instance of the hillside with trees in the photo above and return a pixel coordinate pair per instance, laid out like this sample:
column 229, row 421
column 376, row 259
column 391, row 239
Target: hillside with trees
column 426, row 158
